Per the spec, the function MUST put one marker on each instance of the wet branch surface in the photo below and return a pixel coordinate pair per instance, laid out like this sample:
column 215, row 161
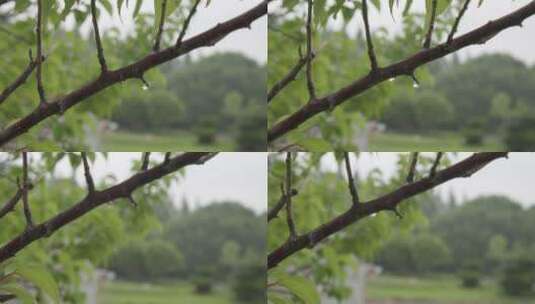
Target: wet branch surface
column 96, row 198
column 387, row 202
column 405, row 67
column 132, row 71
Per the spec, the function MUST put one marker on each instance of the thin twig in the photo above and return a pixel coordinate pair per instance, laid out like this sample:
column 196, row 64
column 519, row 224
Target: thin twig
column 87, row 174
column 350, row 181
column 427, row 42
column 458, row 21
column 100, row 50
column 288, row 187
column 156, row 46
column 371, row 52
column 20, row 80
column 412, row 168
column 167, row 157
column 40, row 57
column 274, row 212
column 145, row 158
column 10, row 204
column 132, row 201
column 310, row 54
column 25, row 188
column 186, row 23
column 292, row 74
column 433, row 170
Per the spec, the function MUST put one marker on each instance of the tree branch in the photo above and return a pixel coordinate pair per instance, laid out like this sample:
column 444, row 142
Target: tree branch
column 87, row 174
column 371, row 52
column 25, row 188
column 310, row 53
column 167, row 157
column 132, row 71
column 288, row 188
column 100, row 50
column 145, row 159
column 433, row 170
column 458, row 21
column 187, row 21
column 412, row 167
column 387, row 202
column 156, row 46
column 40, row 57
column 427, row 42
column 404, row 67
column 6, row 297
column 20, row 80
column 99, row 198
column 350, row 181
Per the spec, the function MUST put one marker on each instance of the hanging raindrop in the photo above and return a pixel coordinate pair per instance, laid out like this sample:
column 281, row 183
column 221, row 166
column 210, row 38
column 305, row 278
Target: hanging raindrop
column 145, row 87
column 415, row 82
column 391, row 79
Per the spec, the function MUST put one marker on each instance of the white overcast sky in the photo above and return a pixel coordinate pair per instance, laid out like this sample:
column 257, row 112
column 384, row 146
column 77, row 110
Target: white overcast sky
column 240, row 177
column 512, row 177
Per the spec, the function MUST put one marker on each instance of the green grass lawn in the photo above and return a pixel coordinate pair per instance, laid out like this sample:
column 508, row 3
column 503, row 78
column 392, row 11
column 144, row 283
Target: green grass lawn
column 138, row 293
column 121, row 141
column 435, row 290
column 396, row 142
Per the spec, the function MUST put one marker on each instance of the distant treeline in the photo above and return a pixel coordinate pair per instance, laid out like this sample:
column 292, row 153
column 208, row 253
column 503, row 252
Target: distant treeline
column 221, row 94
column 223, row 242
column 486, row 236
column 490, row 94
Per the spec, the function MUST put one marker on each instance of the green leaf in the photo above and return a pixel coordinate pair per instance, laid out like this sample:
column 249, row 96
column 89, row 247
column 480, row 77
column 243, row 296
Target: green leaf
column 171, row 7
column 408, row 6
column 315, row 144
column 377, row 4
column 119, row 6
column 107, row 6
column 278, row 300
column 157, row 12
column 40, row 277
column 137, row 7
column 302, row 288
column 66, row 10
column 22, row 295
